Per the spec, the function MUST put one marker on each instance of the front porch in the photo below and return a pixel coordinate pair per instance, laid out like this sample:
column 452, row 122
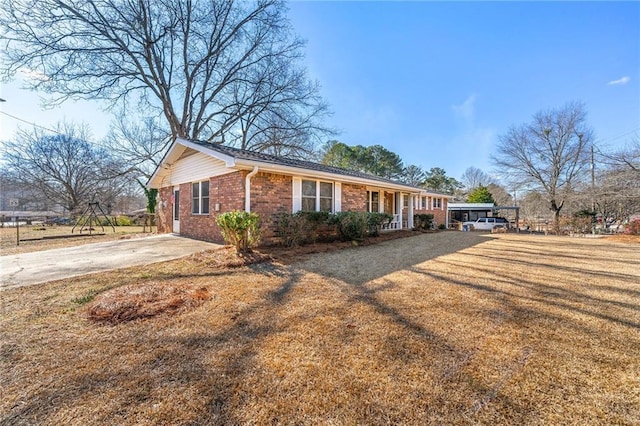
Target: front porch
column 402, row 206
column 394, row 203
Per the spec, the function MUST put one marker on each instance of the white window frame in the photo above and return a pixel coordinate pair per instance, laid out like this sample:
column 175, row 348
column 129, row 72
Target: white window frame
column 317, row 196
column 200, row 199
column 380, row 206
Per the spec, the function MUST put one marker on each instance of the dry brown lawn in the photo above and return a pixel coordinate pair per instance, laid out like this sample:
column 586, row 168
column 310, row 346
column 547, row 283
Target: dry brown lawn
column 444, row 328
column 8, row 237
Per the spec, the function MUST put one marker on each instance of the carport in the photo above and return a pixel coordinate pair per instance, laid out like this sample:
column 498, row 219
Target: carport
column 468, row 212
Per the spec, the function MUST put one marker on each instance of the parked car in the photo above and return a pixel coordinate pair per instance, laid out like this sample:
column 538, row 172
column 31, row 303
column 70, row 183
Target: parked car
column 485, row 224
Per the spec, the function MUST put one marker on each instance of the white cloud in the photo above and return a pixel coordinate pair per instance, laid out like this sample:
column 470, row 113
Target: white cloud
column 467, row 109
column 34, row 75
column 623, row 80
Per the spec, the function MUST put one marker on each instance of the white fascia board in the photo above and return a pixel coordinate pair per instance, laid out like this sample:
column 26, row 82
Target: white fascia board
column 173, row 153
column 297, row 171
column 228, row 160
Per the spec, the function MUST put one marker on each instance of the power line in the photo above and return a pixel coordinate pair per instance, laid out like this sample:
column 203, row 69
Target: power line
column 620, row 136
column 30, row 123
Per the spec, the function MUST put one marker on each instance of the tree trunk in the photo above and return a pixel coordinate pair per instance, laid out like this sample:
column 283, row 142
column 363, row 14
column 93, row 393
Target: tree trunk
column 556, row 215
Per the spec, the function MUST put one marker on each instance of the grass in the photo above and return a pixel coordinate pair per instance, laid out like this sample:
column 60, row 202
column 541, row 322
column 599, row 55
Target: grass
column 8, row 237
column 445, row 328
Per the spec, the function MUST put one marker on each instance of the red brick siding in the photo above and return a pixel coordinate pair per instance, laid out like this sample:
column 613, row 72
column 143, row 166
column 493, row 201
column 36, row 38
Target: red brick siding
column 271, row 194
column 226, row 190
column 354, row 197
column 439, row 215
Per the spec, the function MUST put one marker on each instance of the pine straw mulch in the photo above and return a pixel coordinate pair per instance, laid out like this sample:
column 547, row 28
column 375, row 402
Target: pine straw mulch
column 444, row 328
column 150, row 299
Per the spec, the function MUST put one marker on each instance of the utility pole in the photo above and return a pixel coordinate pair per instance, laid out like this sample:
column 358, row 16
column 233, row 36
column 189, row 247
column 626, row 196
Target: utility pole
column 593, row 182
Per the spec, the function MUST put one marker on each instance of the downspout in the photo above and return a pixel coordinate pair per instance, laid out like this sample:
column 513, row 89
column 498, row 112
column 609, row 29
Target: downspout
column 247, row 189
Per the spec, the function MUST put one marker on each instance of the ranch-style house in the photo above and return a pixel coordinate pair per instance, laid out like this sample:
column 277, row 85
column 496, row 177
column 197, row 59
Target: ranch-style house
column 197, row 181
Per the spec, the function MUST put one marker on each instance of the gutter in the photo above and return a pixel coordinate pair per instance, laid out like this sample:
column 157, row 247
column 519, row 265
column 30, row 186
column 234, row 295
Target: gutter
column 247, row 189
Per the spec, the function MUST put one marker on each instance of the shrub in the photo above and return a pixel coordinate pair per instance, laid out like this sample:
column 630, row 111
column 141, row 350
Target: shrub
column 423, row 222
column 442, row 226
column 375, row 222
column 298, row 228
column 240, row 229
column 632, row 228
column 122, row 221
column 290, row 229
column 352, row 226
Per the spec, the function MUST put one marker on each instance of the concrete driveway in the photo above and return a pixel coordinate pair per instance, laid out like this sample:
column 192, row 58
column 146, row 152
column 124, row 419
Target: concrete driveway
column 42, row 266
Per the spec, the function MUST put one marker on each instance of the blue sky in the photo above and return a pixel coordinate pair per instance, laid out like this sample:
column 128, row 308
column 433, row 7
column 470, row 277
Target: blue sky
column 437, row 82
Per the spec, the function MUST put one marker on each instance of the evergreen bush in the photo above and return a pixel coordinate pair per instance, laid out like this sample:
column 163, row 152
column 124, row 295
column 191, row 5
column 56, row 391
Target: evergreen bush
column 240, row 229
column 423, row 222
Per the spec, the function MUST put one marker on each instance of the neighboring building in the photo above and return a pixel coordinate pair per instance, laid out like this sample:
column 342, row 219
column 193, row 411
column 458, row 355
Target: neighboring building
column 198, row 180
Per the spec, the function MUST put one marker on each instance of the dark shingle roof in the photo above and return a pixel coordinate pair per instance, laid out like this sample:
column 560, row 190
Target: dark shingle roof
column 292, row 162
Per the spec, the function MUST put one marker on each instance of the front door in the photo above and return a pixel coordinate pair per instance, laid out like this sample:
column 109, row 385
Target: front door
column 176, row 210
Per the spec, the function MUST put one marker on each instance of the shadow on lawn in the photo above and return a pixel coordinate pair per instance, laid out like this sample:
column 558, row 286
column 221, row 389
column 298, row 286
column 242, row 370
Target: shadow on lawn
column 371, row 262
column 219, row 365
column 165, row 363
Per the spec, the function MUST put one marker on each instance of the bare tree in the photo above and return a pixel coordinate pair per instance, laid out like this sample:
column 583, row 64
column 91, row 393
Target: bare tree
column 214, row 69
column 547, row 154
column 500, row 195
column 617, row 193
column 627, row 157
column 138, row 145
column 65, row 168
column 474, row 177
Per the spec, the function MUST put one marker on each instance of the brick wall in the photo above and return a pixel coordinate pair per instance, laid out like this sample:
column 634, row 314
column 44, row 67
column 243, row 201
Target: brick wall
column 226, row 190
column 354, row 197
column 271, row 194
column 439, row 215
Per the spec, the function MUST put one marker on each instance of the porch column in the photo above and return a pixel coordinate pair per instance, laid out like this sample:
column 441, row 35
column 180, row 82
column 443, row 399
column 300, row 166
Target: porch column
column 399, row 204
column 412, row 200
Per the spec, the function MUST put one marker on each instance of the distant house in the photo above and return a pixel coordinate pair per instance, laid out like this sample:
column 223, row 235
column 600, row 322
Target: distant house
column 198, row 180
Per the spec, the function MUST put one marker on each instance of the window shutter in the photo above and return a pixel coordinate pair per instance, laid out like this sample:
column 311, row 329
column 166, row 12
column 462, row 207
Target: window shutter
column 337, row 197
column 297, row 194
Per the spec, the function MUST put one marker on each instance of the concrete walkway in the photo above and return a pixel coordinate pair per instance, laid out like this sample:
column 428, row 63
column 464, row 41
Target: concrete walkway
column 42, row 266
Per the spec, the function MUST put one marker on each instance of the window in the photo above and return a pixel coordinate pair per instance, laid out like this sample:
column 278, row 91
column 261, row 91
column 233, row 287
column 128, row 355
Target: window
column 424, row 204
column 308, row 195
column 200, row 197
column 437, row 203
column 373, row 201
column 317, row 196
column 326, row 196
